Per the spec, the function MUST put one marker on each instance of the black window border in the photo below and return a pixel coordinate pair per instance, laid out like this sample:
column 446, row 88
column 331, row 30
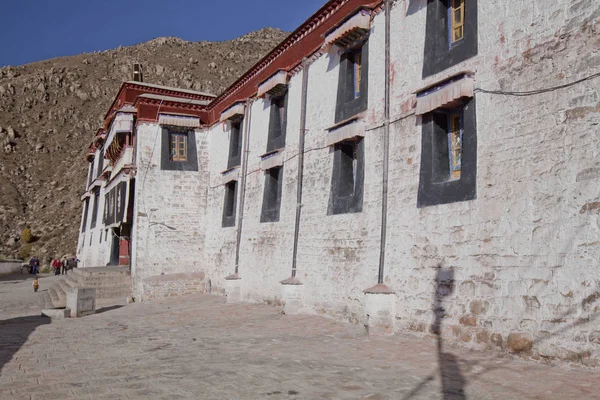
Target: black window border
column 272, row 214
column 86, row 209
column 91, row 173
column 344, row 108
column 166, row 163
column 100, row 163
column 433, row 193
column 347, row 204
column 95, row 207
column 237, row 160
column 438, row 53
column 229, row 220
column 276, row 137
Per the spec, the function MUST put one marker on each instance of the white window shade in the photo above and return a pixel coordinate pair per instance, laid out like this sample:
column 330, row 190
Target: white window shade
column 271, row 160
column 230, row 175
column 345, row 132
column 274, row 85
column 237, row 110
column 446, row 95
column 350, row 30
column 178, row 120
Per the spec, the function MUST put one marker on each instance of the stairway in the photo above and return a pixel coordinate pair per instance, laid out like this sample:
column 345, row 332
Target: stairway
column 112, row 286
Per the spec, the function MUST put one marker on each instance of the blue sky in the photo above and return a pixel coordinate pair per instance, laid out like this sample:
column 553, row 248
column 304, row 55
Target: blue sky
column 33, row 30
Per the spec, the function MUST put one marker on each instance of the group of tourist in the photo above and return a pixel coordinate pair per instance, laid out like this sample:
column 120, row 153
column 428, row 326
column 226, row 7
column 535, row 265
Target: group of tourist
column 60, row 267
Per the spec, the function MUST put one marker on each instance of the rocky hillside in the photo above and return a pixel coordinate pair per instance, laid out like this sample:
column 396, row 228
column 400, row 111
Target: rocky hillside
column 50, row 110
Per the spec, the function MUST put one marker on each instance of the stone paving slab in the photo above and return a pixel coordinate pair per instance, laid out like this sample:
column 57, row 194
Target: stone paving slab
column 199, row 347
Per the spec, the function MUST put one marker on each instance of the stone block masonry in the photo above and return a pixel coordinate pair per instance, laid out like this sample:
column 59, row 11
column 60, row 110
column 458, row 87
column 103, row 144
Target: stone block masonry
column 81, row 302
column 522, row 247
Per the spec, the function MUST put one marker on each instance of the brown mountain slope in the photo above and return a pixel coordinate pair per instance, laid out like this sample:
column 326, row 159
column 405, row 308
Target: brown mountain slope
column 50, row 110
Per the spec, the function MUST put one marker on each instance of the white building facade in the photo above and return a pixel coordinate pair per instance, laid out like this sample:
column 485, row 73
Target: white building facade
column 482, row 220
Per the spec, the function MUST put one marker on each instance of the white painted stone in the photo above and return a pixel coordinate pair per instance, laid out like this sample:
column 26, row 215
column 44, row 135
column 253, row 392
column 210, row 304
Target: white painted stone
column 57, row 313
column 233, row 290
column 81, row 302
column 526, row 234
column 292, row 296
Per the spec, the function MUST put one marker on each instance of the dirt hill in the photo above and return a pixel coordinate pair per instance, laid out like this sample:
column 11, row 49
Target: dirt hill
column 50, row 110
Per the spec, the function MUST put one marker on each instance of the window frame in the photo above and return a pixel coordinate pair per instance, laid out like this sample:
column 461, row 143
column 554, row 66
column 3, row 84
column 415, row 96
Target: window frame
column 91, row 173
column 348, row 104
column 235, row 129
column 100, row 163
column 230, row 197
column 452, row 130
column 436, row 183
column 452, row 20
column 271, row 205
column 179, row 138
column 95, row 209
column 440, row 51
column 86, row 209
column 167, row 164
column 340, row 200
column 277, row 122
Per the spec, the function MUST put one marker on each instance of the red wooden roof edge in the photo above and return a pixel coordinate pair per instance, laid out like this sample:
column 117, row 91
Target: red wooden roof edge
column 305, row 40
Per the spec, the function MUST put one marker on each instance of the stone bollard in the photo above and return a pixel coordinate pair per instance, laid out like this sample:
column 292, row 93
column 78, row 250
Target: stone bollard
column 292, row 291
column 380, row 310
column 82, row 302
column 233, row 288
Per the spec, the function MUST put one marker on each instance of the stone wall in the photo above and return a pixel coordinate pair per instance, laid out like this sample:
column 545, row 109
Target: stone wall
column 8, row 267
column 93, row 247
column 169, row 217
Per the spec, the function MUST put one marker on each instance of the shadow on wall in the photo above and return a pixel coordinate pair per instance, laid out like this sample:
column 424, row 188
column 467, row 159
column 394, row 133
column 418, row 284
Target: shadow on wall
column 14, row 332
column 415, row 5
column 453, row 382
column 450, row 371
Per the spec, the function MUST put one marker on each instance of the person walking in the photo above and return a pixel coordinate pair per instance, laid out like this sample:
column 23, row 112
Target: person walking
column 64, row 264
column 36, row 265
column 56, row 266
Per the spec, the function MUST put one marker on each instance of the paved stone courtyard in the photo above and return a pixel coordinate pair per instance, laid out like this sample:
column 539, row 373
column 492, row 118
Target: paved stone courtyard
column 199, row 347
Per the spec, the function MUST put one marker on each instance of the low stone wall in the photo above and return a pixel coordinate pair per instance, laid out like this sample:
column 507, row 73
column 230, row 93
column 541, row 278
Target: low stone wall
column 8, row 267
column 169, row 285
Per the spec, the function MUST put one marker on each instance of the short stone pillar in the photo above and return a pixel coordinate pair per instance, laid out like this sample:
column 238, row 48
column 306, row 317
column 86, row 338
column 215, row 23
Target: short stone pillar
column 380, row 310
column 292, row 291
column 233, row 288
column 82, row 302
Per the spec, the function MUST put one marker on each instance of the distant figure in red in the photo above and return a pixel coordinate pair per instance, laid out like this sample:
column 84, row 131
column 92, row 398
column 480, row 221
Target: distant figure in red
column 56, row 264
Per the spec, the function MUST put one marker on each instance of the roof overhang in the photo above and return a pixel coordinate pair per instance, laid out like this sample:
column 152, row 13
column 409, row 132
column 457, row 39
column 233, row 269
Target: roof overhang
column 233, row 112
column 351, row 30
column 275, row 85
column 179, row 121
column 446, row 94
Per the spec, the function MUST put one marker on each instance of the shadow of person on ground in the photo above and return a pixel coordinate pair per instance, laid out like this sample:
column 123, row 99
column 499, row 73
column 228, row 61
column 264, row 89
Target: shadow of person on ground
column 14, row 333
column 453, row 382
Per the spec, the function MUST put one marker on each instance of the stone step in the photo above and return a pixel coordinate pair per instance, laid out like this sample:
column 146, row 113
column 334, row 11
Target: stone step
column 109, row 293
column 45, row 300
column 96, row 282
column 66, row 284
column 53, row 292
column 100, row 271
column 70, row 281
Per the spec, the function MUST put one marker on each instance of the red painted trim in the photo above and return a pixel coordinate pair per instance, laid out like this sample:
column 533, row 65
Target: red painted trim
column 307, row 39
column 148, row 109
column 304, row 41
